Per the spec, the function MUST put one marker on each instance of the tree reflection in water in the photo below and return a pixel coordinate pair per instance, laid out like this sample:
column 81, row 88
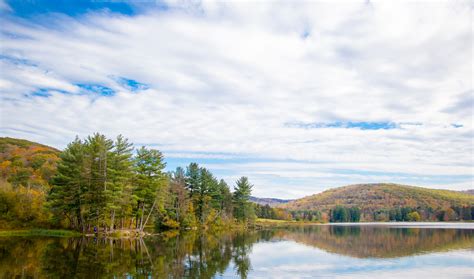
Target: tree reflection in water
column 193, row 255
column 188, row 255
column 381, row 242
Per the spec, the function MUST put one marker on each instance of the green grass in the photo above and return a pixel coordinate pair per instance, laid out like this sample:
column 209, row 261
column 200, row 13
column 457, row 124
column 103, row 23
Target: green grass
column 39, row 232
column 262, row 220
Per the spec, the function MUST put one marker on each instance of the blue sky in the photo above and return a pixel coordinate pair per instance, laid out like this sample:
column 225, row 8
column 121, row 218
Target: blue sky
column 298, row 96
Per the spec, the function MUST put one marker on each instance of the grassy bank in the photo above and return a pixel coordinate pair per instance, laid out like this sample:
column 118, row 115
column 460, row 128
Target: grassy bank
column 39, row 232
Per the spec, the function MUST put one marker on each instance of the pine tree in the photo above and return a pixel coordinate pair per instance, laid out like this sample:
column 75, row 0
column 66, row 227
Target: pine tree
column 193, row 178
column 226, row 199
column 210, row 194
column 200, row 193
column 200, row 183
column 97, row 155
column 243, row 209
column 149, row 184
column 117, row 193
column 66, row 197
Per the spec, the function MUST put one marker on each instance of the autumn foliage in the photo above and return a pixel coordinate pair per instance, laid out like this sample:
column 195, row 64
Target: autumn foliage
column 389, row 202
column 26, row 169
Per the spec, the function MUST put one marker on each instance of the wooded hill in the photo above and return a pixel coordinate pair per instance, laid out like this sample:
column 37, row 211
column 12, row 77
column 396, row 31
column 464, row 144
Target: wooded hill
column 25, row 171
column 269, row 201
column 384, row 202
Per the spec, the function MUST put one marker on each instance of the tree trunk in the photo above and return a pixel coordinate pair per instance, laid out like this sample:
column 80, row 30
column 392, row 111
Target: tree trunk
column 149, row 213
column 112, row 221
column 141, row 217
column 81, row 220
column 105, row 171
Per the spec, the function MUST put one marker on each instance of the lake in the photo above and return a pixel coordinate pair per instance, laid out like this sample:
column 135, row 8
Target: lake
column 410, row 250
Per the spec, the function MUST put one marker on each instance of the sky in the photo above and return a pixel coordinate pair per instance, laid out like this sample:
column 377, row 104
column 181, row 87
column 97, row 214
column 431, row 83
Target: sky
column 298, row 96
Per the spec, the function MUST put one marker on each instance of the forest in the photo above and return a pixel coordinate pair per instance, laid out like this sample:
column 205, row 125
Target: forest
column 101, row 185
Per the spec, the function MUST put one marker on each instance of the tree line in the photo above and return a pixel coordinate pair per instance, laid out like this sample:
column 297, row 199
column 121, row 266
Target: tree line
column 345, row 214
column 108, row 184
column 268, row 212
column 354, row 214
column 102, row 184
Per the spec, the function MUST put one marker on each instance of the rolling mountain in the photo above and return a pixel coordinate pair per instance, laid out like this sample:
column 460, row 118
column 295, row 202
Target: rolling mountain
column 470, row 191
column 269, row 201
column 376, row 200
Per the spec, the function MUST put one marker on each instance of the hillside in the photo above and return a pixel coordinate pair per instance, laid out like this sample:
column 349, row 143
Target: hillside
column 25, row 171
column 6, row 142
column 26, row 163
column 376, row 200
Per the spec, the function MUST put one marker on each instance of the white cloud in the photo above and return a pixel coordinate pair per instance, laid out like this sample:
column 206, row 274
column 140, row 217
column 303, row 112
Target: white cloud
column 227, row 76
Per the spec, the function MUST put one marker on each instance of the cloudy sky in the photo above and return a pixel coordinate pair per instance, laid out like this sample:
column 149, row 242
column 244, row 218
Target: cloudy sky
column 298, row 96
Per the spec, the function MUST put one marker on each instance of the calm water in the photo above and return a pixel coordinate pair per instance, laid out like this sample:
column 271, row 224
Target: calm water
column 402, row 251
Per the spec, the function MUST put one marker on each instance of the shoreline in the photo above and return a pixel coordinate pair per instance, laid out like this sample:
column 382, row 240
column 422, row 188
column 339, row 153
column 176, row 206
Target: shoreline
column 259, row 224
column 268, row 223
column 39, row 232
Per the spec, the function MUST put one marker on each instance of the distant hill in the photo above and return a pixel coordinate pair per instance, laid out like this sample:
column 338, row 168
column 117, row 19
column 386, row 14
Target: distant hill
column 269, row 201
column 375, row 200
column 470, row 191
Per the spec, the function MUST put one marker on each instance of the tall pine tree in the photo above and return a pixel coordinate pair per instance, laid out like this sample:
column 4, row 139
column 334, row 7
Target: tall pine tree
column 149, row 184
column 120, row 173
column 66, row 197
column 243, row 209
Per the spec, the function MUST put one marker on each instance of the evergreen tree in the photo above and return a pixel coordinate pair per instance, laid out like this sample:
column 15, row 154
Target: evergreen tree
column 66, row 197
column 193, row 178
column 243, row 209
column 226, row 199
column 213, row 189
column 97, row 152
column 149, row 184
column 340, row 214
column 354, row 214
column 118, row 190
column 404, row 211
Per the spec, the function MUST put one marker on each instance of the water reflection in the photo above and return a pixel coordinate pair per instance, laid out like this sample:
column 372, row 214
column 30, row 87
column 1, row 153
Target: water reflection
column 194, row 255
column 380, row 242
column 189, row 255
